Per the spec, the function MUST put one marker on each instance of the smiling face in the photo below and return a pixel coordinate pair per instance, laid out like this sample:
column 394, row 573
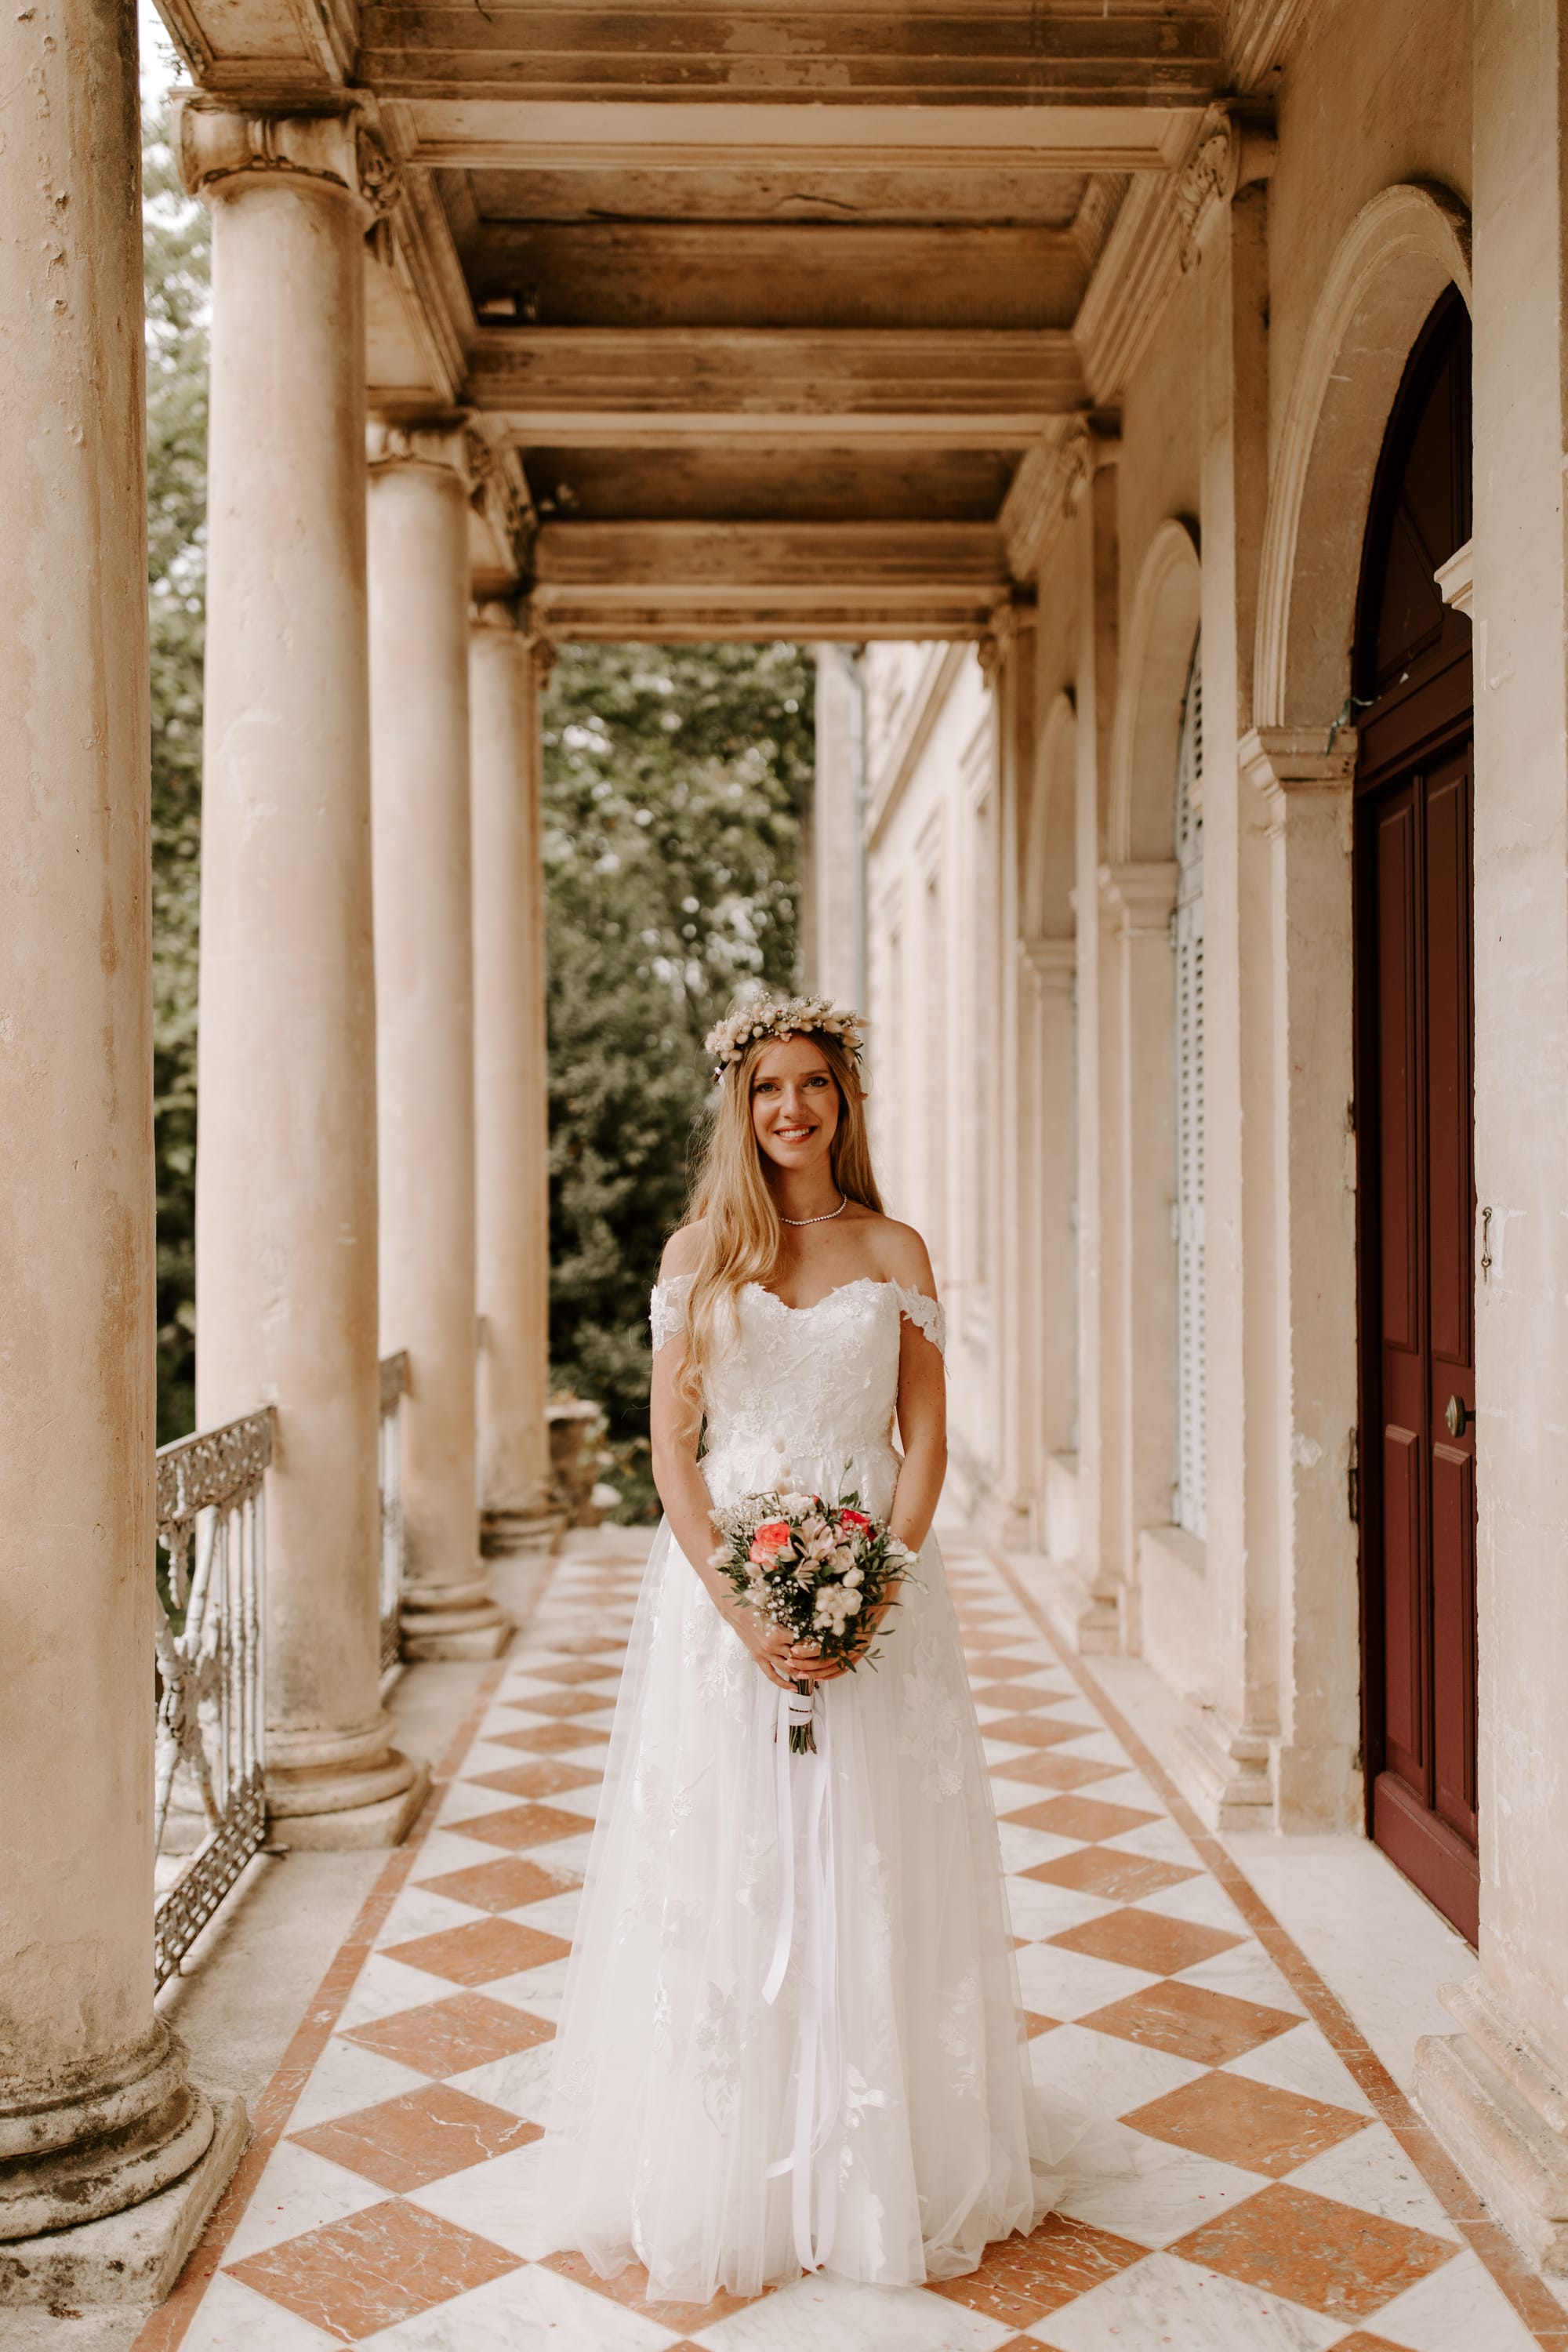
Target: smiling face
column 795, row 1105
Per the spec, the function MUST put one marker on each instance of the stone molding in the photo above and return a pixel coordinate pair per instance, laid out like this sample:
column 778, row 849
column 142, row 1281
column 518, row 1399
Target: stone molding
column 1279, row 760
column 1161, row 630
column 1142, row 894
column 441, row 445
column 1236, row 149
column 1051, row 964
column 1391, row 264
column 1048, row 485
column 1457, row 579
column 1260, row 35
column 218, row 142
column 499, row 492
column 1499, row 2099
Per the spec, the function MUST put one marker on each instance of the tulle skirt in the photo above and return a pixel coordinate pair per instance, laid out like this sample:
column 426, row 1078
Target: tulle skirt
column 882, row 2097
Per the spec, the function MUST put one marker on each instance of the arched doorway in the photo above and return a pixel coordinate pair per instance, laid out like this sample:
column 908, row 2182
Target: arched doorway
column 1414, row 1125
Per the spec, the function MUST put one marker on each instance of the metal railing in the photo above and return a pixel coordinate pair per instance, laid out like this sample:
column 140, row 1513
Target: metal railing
column 210, row 1798
column 389, row 1471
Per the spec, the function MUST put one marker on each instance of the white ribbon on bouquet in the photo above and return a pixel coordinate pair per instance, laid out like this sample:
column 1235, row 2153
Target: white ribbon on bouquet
column 805, row 1813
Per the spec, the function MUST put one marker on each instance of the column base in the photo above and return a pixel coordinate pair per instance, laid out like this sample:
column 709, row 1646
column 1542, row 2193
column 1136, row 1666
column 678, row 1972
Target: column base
column 1499, row 2105
column 1225, row 1775
column 134, row 2256
column 342, row 1791
column 453, row 1620
column 505, row 1531
column 74, row 2149
column 355, row 1828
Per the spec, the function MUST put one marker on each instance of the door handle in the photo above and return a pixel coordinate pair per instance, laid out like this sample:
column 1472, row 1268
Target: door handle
column 1458, row 1416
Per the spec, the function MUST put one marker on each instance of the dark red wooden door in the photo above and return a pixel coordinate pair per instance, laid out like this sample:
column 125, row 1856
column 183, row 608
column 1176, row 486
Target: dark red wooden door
column 1415, row 1097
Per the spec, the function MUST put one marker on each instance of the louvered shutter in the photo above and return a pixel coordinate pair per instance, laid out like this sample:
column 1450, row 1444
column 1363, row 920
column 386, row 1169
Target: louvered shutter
column 1190, row 1511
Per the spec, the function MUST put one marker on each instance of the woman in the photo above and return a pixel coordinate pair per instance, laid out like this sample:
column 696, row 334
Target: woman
column 877, row 2116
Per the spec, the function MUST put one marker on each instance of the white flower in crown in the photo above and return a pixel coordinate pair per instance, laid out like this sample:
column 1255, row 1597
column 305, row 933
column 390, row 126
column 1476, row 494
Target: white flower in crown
column 799, row 1016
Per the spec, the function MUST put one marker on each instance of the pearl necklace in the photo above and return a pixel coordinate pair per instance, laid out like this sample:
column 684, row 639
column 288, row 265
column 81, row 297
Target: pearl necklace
column 825, row 1220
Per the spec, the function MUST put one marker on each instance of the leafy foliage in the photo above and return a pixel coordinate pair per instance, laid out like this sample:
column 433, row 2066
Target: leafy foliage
column 673, row 778
column 175, row 251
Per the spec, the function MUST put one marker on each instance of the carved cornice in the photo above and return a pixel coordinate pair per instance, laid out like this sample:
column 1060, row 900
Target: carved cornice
column 1285, row 759
column 440, row 444
column 1046, row 489
column 1143, row 894
column 221, row 145
column 1260, row 37
column 1235, row 148
column 1002, row 634
column 499, row 494
column 1051, row 964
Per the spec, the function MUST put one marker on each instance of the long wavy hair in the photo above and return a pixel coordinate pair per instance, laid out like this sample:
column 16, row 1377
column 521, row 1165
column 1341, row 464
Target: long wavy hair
column 741, row 1232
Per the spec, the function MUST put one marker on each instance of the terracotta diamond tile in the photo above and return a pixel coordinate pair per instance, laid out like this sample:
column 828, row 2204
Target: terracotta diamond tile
column 1190, row 2021
column 1034, row 2023
column 1139, row 1939
column 1043, row 1771
column 406, row 2143
column 1333, row 2258
column 447, row 2037
column 1008, row 1694
column 1003, row 1668
column 564, row 1704
column 582, row 1645
column 1249, row 2124
column 1033, row 1730
column 629, row 2287
column 572, row 1670
column 517, row 1826
column 545, row 1777
column 1100, row 1870
column 480, row 1951
column 1088, row 1818
column 1360, row 2342
column 1021, row 2278
column 548, row 1738
column 390, row 2263
column 506, row 1885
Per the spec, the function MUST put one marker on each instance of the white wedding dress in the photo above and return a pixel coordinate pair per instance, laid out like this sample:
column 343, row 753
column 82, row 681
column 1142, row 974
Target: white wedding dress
column 688, row 2133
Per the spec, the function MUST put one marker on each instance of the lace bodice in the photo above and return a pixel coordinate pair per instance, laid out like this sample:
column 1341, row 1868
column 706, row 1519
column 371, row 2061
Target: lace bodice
column 809, row 1390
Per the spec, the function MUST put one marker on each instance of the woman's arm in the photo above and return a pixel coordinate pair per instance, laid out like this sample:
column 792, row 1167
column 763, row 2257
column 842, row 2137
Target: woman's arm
column 676, row 1426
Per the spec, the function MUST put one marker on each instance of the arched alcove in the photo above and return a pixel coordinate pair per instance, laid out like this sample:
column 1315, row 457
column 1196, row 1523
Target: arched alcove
column 1397, row 258
column 1161, row 633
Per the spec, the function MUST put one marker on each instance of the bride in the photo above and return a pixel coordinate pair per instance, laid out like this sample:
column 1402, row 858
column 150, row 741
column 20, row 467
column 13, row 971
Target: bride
column 873, row 2113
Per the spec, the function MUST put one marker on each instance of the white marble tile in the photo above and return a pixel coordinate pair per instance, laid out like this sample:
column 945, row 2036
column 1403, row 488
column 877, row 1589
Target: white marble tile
column 1160, row 1840
column 299, row 2191
column 1202, row 1899
column 443, row 1851
column 1172, row 2191
column 557, row 1915
column 572, row 1801
column 1040, row 1909
column 1459, row 2308
column 1246, row 1971
column 529, row 2310
column 418, row 1911
column 1302, row 2060
column 464, row 1801
column 1110, row 2076
column 346, row 2078
column 1372, row 2170
column 231, row 2318
column 488, row 1754
column 386, row 1986
column 831, row 2315
column 538, row 1991
column 520, row 2083
column 1065, row 1984
column 1119, row 1788
column 1022, row 1848
column 1179, row 2307
column 499, row 2200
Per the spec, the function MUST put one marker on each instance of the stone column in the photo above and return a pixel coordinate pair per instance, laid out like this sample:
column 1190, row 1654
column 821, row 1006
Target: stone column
column 1495, row 2091
column 425, row 1033
column 1139, row 1447
column 1014, row 1304
column 512, row 1109
column 286, row 1189
column 95, row 2110
column 1047, row 1271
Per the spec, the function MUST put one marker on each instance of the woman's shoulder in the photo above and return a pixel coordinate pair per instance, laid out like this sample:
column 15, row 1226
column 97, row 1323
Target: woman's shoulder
column 683, row 1251
column 900, row 1254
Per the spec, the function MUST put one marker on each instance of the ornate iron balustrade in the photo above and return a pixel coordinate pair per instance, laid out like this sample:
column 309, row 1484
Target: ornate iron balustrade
column 389, row 1466
column 210, row 1798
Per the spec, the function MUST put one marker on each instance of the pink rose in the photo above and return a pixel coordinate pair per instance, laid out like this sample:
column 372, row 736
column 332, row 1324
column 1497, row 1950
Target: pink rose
column 768, row 1541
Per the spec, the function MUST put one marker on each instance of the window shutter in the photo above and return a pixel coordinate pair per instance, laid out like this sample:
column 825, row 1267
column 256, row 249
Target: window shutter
column 1190, row 1509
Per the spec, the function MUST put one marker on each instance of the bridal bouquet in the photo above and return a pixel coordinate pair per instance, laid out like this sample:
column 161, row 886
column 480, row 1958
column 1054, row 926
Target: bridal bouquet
column 814, row 1568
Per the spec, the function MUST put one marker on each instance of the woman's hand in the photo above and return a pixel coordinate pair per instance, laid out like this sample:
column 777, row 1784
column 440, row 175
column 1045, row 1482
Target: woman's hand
column 812, row 1667
column 768, row 1644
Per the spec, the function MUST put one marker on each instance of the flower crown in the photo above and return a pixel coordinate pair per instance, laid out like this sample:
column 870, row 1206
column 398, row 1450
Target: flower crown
column 800, row 1016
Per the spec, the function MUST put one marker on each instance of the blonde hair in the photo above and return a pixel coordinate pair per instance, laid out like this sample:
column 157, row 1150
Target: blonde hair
column 742, row 1233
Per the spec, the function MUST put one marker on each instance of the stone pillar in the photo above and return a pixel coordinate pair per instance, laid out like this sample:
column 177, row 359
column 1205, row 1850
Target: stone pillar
column 1137, row 1025
column 424, row 1029
column 1014, row 1304
column 95, row 2110
column 512, row 1109
column 1047, row 1267
column 1495, row 2091
column 286, row 1188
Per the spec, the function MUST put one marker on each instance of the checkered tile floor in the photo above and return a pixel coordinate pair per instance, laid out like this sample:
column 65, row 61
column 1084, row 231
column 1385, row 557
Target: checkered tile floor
column 1277, row 2211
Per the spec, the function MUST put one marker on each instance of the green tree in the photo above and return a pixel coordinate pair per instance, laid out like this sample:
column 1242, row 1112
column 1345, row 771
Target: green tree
column 176, row 266
column 673, row 780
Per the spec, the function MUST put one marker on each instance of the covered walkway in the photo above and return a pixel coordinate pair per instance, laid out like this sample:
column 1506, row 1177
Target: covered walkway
column 1291, row 2200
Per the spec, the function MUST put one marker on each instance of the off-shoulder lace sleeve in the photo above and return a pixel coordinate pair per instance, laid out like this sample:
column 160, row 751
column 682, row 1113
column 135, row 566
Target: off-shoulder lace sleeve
column 667, row 1310
column 925, row 1313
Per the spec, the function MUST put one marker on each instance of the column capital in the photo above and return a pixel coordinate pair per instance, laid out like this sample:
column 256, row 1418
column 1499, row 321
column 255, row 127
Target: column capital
column 1143, row 894
column 1050, row 481
column 1285, row 759
column 440, row 442
column 1050, row 963
column 222, row 145
column 1235, row 148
